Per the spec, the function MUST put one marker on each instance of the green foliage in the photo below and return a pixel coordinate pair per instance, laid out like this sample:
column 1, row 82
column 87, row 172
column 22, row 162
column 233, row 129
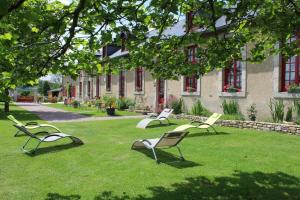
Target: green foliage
column 252, row 112
column 289, row 114
column 25, row 93
column 277, row 110
column 233, row 117
column 230, row 107
column 46, row 88
column 109, row 101
column 175, row 104
column 297, row 110
column 199, row 109
column 124, row 103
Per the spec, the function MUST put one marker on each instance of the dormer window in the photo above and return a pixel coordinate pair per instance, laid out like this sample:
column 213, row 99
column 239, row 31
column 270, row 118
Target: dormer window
column 191, row 54
column 189, row 20
column 104, row 51
column 123, row 38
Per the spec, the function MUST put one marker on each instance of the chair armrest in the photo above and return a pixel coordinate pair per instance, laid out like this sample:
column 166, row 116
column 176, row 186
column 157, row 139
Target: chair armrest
column 31, row 123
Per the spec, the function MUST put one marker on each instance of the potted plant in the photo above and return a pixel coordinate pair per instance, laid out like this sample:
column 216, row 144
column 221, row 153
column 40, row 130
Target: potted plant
column 110, row 104
column 293, row 88
column 75, row 104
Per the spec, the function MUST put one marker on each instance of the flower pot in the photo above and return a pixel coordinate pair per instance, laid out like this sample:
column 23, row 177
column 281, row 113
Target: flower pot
column 75, row 105
column 110, row 111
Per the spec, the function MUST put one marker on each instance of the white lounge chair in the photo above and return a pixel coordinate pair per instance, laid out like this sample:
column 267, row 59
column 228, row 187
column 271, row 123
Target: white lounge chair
column 30, row 125
column 201, row 125
column 48, row 138
column 163, row 116
column 168, row 140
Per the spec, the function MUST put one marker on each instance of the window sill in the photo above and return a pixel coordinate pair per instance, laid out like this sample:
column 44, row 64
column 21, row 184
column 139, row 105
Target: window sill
column 190, row 93
column 139, row 92
column 286, row 95
column 233, row 94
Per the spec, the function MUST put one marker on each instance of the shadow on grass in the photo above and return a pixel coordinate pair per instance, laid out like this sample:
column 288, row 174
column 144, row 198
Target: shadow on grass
column 160, row 125
column 54, row 149
column 168, row 159
column 201, row 134
column 56, row 196
column 22, row 115
column 241, row 185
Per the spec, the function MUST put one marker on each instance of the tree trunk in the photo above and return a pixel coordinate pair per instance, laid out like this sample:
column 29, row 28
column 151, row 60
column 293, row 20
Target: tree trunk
column 6, row 100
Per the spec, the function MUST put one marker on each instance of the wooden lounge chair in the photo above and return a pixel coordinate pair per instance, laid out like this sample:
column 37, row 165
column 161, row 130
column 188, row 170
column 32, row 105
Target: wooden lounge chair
column 163, row 116
column 201, row 125
column 168, row 140
column 31, row 125
column 48, row 138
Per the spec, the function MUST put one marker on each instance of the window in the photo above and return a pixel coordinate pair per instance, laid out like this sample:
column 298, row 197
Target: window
column 190, row 84
column 89, row 89
column 80, row 89
column 73, row 91
column 139, row 79
column 290, row 69
column 233, row 77
column 108, row 82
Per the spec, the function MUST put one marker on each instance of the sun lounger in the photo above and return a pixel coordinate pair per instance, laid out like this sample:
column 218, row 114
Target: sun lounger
column 163, row 116
column 168, row 140
column 30, row 125
column 48, row 138
column 201, row 125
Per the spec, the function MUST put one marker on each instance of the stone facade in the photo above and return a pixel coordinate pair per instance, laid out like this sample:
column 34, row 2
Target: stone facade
column 261, row 126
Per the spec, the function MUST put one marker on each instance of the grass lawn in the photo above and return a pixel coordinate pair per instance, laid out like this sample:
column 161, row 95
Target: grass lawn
column 89, row 111
column 235, row 164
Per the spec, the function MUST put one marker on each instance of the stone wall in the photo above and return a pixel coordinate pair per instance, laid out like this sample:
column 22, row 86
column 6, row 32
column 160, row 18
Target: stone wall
column 262, row 126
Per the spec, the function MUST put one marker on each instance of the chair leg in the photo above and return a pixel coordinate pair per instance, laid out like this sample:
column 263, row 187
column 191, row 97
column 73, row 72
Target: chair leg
column 23, row 147
column 17, row 133
column 34, row 150
column 214, row 129
column 154, row 154
column 181, row 156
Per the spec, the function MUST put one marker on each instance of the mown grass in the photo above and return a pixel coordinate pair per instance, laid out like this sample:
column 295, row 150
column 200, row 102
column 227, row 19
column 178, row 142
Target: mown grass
column 234, row 164
column 90, row 111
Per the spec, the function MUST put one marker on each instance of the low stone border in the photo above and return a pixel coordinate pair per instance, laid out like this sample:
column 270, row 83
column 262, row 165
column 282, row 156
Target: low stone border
column 262, row 126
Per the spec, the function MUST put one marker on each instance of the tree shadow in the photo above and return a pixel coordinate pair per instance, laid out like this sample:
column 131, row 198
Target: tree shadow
column 201, row 134
column 22, row 115
column 168, row 159
column 53, row 149
column 240, row 185
column 56, row 196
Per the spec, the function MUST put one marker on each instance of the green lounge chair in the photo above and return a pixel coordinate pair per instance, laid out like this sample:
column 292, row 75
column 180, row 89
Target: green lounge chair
column 30, row 125
column 168, row 140
column 163, row 116
column 48, row 138
column 201, row 125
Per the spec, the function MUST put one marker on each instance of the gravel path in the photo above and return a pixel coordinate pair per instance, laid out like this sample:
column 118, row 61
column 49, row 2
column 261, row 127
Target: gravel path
column 58, row 115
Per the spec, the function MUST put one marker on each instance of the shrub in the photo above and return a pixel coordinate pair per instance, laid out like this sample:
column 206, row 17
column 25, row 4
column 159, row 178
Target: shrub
column 25, row 93
column 177, row 106
column 233, row 117
column 297, row 110
column 252, row 112
column 199, row 109
column 231, row 107
column 289, row 114
column 277, row 110
column 121, row 104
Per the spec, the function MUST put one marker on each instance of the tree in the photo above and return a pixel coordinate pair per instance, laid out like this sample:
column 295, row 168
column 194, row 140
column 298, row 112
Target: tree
column 38, row 37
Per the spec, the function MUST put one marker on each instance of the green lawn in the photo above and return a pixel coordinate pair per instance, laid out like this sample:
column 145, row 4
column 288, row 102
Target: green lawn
column 235, row 164
column 89, row 111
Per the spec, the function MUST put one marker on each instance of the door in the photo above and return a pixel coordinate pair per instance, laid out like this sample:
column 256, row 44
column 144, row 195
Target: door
column 160, row 99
